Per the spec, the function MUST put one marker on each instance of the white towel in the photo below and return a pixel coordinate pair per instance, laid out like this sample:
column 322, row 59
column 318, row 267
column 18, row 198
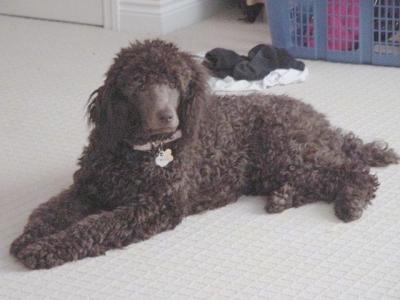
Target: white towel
column 276, row 77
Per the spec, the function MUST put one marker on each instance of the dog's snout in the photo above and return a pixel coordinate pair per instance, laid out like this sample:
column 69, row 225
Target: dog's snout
column 165, row 117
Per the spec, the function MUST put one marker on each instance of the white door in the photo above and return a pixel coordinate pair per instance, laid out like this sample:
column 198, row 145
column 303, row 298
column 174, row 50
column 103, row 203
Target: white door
column 77, row 11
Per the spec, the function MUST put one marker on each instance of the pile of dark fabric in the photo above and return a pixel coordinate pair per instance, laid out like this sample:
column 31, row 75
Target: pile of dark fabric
column 261, row 60
column 250, row 10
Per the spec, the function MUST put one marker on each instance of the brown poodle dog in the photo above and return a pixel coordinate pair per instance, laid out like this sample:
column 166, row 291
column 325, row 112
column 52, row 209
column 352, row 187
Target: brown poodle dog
column 163, row 147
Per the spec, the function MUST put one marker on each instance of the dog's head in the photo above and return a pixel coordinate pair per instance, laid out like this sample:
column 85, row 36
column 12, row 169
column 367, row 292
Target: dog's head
column 151, row 90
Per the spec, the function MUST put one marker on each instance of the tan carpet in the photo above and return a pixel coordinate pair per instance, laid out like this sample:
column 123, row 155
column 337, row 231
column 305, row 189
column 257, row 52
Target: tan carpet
column 47, row 72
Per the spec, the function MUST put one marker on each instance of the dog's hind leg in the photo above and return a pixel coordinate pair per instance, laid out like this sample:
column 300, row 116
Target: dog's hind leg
column 290, row 195
column 357, row 190
column 280, row 199
column 350, row 186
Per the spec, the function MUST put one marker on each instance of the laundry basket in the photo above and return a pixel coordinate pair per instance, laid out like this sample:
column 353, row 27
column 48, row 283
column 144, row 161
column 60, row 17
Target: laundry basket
column 355, row 31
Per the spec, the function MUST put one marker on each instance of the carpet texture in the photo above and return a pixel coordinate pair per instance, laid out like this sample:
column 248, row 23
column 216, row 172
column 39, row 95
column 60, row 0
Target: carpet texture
column 47, row 72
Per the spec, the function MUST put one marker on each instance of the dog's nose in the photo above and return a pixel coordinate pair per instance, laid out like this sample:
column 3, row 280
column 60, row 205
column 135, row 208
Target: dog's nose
column 165, row 117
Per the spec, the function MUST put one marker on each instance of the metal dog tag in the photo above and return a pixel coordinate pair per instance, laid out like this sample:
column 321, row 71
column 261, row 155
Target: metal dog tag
column 164, row 157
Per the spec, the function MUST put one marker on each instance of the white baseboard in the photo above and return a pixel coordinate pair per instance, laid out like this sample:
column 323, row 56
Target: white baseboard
column 156, row 17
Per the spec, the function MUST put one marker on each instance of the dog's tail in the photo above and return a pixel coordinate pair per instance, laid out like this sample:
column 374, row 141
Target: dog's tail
column 375, row 154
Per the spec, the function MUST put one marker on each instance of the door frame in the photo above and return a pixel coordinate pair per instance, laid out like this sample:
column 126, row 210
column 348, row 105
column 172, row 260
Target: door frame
column 111, row 15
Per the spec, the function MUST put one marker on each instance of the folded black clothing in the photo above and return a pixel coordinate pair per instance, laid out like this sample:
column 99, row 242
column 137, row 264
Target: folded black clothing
column 261, row 60
column 222, row 61
column 276, row 58
column 257, row 67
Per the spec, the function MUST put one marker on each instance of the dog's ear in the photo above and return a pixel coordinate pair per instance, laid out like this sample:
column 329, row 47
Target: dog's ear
column 93, row 107
column 194, row 95
column 107, row 112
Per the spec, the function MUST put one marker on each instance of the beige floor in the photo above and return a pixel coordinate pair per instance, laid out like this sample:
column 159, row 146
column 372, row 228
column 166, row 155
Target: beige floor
column 47, row 72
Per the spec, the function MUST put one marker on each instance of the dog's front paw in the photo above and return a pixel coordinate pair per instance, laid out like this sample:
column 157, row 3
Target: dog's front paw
column 20, row 243
column 43, row 254
column 34, row 231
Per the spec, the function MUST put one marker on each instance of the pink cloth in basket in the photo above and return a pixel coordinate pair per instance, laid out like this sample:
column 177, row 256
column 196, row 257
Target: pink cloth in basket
column 342, row 25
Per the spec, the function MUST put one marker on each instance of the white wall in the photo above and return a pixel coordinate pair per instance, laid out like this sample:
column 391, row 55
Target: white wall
column 163, row 16
column 78, row 11
column 145, row 17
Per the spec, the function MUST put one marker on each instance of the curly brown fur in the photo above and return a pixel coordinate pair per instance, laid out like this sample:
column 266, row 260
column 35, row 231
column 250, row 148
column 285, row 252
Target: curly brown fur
column 267, row 145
